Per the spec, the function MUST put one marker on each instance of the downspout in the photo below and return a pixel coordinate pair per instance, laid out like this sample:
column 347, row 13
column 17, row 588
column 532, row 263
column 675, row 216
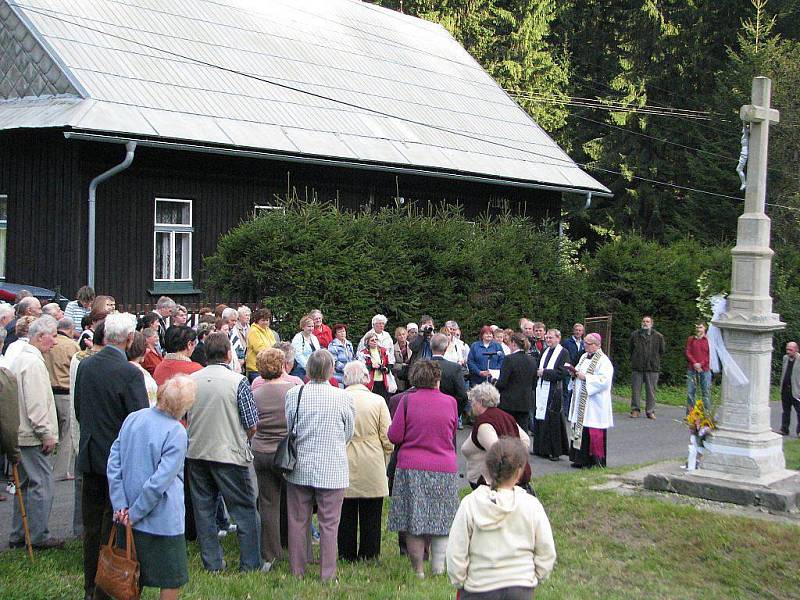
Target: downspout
column 130, row 148
column 586, row 207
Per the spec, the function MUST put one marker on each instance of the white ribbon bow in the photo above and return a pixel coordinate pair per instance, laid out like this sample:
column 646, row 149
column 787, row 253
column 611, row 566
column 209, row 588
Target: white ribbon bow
column 716, row 344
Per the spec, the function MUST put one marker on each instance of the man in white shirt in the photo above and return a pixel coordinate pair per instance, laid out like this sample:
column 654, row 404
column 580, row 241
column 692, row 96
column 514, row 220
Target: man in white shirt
column 164, row 308
column 384, row 339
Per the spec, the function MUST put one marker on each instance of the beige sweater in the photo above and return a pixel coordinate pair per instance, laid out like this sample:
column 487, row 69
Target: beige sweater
column 499, row 539
column 38, row 420
column 476, row 458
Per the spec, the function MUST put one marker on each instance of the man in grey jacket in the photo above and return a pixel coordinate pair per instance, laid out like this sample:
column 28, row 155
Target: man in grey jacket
column 646, row 348
column 790, row 388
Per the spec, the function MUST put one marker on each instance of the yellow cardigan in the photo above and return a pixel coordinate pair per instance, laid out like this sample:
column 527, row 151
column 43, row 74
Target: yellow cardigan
column 258, row 339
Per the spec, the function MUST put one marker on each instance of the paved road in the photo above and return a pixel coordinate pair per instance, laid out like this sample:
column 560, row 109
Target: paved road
column 630, row 442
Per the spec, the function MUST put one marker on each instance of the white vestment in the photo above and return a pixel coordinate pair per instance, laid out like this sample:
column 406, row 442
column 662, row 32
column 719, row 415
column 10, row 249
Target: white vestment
column 542, row 385
column 599, row 412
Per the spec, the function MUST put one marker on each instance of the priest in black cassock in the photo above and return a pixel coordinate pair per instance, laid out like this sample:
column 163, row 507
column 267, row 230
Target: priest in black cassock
column 549, row 429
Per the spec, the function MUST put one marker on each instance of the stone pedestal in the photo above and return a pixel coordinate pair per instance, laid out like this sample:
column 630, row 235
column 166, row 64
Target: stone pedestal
column 744, row 447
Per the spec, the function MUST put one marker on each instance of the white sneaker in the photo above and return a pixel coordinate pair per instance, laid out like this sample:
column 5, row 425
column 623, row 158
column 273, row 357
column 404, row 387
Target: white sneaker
column 233, row 528
column 266, row 567
column 222, row 533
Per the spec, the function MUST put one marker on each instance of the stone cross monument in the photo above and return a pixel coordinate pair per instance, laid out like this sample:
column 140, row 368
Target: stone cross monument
column 744, row 448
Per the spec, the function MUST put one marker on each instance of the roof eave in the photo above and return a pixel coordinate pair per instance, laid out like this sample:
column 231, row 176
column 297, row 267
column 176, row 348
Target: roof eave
column 209, row 148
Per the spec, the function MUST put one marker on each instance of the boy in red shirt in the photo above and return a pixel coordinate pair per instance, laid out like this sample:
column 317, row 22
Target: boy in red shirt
column 698, row 370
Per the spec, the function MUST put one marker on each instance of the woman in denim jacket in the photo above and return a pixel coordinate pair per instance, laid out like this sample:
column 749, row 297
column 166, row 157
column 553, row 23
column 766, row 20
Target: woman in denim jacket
column 342, row 351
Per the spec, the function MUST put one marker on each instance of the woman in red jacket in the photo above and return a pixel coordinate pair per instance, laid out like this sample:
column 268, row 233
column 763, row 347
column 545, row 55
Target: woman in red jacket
column 377, row 361
column 322, row 331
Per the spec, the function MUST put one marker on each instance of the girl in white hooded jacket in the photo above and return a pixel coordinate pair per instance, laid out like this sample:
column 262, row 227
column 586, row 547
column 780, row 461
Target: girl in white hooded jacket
column 501, row 545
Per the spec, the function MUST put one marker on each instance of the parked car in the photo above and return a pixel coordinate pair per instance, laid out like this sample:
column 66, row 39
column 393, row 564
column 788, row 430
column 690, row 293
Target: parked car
column 8, row 291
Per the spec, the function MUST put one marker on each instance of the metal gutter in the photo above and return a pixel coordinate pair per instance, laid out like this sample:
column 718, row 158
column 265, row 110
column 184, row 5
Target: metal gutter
column 130, row 148
column 263, row 154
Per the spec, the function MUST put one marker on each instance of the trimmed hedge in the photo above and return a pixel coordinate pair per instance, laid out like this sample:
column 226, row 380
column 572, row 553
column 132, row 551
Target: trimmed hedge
column 398, row 262
column 403, row 263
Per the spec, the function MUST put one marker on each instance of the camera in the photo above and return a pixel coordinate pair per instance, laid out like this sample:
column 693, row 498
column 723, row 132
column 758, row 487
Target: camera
column 426, row 331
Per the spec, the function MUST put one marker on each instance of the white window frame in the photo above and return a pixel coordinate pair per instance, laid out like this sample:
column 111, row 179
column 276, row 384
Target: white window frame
column 4, row 225
column 172, row 229
column 257, row 208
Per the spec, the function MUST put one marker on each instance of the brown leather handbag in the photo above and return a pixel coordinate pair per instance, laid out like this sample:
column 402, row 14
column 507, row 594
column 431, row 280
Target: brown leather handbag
column 118, row 569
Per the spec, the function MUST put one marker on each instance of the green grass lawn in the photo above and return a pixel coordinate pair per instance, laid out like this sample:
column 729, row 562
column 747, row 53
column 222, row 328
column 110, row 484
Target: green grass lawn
column 609, row 546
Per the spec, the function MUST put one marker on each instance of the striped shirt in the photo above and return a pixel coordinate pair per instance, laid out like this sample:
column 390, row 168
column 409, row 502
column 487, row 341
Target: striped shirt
column 76, row 312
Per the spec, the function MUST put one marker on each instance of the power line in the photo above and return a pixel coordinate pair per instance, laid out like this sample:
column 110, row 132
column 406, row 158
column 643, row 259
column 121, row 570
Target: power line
column 665, row 183
column 693, row 148
column 792, row 208
column 600, row 105
column 652, row 137
column 607, row 102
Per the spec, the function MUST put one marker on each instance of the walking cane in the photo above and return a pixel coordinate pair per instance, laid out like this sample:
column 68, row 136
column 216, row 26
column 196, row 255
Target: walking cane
column 18, row 490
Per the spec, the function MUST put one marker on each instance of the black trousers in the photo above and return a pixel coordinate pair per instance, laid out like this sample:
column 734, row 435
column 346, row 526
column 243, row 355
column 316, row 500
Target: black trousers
column 97, row 517
column 786, row 416
column 366, row 514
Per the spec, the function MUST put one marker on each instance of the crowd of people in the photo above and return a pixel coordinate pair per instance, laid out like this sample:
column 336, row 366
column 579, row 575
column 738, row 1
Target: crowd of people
column 174, row 429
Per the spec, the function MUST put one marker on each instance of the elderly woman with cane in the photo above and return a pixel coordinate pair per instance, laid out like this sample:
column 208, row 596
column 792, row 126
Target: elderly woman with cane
column 144, row 480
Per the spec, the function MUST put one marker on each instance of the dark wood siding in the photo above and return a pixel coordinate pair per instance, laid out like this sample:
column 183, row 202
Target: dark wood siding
column 47, row 178
column 46, row 218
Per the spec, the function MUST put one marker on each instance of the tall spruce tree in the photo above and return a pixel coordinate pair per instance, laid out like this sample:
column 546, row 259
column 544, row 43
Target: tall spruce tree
column 759, row 51
column 639, row 54
column 511, row 39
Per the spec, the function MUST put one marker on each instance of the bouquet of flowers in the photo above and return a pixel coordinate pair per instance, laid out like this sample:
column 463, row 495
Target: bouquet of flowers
column 701, row 425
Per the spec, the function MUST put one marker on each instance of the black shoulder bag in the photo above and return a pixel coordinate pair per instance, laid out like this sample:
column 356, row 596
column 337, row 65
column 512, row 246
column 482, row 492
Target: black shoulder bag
column 285, row 457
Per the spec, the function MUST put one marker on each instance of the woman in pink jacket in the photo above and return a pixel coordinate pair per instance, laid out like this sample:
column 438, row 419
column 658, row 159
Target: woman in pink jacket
column 425, row 491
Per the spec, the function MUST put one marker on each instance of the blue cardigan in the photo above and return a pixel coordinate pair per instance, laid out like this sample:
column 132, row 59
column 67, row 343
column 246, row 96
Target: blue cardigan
column 145, row 471
column 478, row 360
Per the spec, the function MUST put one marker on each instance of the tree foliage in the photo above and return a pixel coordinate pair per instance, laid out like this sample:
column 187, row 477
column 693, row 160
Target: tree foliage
column 631, row 277
column 636, row 54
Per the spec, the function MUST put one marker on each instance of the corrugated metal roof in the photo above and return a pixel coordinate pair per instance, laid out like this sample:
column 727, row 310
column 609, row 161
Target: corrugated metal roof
column 333, row 78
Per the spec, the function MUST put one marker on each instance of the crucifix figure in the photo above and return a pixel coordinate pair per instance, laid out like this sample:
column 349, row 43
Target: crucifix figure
column 759, row 115
column 744, row 447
